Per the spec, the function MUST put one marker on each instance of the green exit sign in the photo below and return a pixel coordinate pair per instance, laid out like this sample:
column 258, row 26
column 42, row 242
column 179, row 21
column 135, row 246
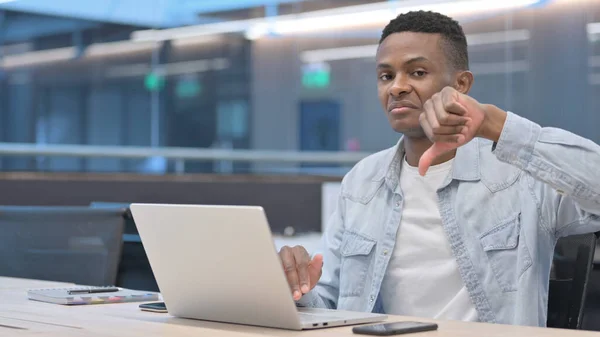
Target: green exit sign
column 188, row 86
column 154, row 81
column 316, row 75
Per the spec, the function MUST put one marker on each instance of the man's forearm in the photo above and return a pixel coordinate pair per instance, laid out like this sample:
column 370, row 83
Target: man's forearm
column 565, row 161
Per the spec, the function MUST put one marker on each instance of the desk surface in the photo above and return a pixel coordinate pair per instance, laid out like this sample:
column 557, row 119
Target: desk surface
column 21, row 317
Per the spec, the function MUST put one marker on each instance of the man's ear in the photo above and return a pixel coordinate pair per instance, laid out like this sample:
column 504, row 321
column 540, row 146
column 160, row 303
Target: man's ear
column 464, row 82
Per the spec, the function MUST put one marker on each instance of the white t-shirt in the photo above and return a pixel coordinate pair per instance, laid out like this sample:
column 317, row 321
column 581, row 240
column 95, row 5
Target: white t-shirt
column 422, row 278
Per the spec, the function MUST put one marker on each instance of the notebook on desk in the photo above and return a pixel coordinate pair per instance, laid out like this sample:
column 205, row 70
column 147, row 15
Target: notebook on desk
column 90, row 295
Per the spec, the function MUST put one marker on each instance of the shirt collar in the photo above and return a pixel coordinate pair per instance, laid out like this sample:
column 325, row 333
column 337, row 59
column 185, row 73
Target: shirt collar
column 466, row 165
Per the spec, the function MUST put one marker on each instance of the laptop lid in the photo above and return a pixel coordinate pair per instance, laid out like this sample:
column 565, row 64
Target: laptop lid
column 216, row 263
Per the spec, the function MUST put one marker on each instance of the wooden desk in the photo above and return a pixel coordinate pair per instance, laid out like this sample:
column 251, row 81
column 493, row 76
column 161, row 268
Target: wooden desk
column 21, row 317
column 8, row 283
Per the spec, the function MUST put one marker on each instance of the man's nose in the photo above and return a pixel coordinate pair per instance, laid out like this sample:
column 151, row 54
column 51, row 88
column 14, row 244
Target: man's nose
column 400, row 86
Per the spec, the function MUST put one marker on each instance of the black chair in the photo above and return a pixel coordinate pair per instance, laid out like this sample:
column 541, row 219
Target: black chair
column 69, row 244
column 130, row 232
column 572, row 265
column 134, row 268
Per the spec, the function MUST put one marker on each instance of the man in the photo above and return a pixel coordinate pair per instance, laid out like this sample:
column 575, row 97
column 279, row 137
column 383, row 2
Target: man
column 460, row 218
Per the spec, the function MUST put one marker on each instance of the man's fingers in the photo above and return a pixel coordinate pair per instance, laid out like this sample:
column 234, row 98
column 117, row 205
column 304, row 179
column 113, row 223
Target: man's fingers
column 299, row 268
column 451, row 101
column 453, row 120
column 289, row 266
column 449, row 130
column 440, row 113
column 426, row 126
column 315, row 269
column 451, row 134
column 443, row 115
column 455, row 108
column 430, row 115
column 450, row 139
column 302, row 262
column 446, row 122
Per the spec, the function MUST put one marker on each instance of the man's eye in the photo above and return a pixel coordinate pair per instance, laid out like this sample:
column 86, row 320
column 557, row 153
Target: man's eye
column 419, row 73
column 385, row 77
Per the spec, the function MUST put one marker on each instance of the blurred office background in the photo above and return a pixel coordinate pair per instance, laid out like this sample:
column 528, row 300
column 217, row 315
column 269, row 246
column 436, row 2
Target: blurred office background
column 261, row 102
column 284, row 75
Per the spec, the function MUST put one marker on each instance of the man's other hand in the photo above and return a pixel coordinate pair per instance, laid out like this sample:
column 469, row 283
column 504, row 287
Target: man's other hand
column 302, row 273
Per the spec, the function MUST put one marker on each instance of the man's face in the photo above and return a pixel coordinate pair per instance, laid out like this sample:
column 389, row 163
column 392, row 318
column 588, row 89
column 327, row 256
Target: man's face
column 411, row 67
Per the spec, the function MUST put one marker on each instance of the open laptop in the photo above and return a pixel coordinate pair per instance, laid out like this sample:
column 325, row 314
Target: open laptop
column 219, row 263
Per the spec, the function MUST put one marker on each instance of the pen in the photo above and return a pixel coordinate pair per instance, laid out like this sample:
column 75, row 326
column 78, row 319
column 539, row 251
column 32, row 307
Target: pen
column 93, row 290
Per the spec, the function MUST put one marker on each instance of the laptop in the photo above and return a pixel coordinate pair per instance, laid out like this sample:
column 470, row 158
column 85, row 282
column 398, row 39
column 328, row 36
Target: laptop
column 219, row 263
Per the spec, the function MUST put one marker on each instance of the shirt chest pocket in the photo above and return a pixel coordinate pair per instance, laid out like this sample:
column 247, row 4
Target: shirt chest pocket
column 507, row 252
column 357, row 253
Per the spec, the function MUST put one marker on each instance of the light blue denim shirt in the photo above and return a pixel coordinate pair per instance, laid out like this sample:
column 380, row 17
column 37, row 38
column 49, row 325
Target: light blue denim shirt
column 502, row 209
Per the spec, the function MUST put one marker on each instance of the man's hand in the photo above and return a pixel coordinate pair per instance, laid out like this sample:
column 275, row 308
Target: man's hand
column 302, row 273
column 451, row 119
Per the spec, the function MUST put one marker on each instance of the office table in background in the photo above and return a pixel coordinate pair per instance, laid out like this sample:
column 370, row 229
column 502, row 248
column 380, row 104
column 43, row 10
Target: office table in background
column 22, row 317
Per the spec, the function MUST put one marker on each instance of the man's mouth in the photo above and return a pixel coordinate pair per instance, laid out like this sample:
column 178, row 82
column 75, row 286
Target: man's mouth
column 401, row 107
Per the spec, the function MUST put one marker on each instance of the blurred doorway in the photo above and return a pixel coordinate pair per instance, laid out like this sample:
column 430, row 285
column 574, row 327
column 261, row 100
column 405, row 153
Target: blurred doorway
column 319, row 128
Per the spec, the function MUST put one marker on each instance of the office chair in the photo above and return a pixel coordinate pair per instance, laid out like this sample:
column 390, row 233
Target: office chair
column 68, row 244
column 130, row 232
column 573, row 262
column 134, row 268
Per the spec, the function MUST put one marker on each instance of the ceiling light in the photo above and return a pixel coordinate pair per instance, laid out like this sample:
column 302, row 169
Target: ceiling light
column 167, row 69
column 495, row 68
column 382, row 13
column 38, row 57
column 193, row 41
column 593, row 31
column 193, row 31
column 503, row 36
column 369, row 51
column 375, row 14
column 120, row 47
column 343, row 53
column 257, row 31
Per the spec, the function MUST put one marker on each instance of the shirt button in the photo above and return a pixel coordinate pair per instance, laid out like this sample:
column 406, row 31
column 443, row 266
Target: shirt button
column 385, row 252
column 397, row 203
column 372, row 298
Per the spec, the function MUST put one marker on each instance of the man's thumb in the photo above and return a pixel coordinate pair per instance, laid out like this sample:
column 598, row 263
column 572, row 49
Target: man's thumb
column 428, row 157
column 314, row 269
column 317, row 262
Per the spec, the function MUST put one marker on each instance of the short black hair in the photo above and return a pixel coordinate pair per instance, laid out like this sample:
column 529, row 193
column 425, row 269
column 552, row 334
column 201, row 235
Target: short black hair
column 455, row 41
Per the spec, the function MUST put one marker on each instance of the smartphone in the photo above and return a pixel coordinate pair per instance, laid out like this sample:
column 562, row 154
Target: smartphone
column 154, row 307
column 396, row 328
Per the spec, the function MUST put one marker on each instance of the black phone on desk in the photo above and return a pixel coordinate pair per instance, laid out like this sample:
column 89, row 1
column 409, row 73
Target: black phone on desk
column 394, row 328
column 154, row 307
